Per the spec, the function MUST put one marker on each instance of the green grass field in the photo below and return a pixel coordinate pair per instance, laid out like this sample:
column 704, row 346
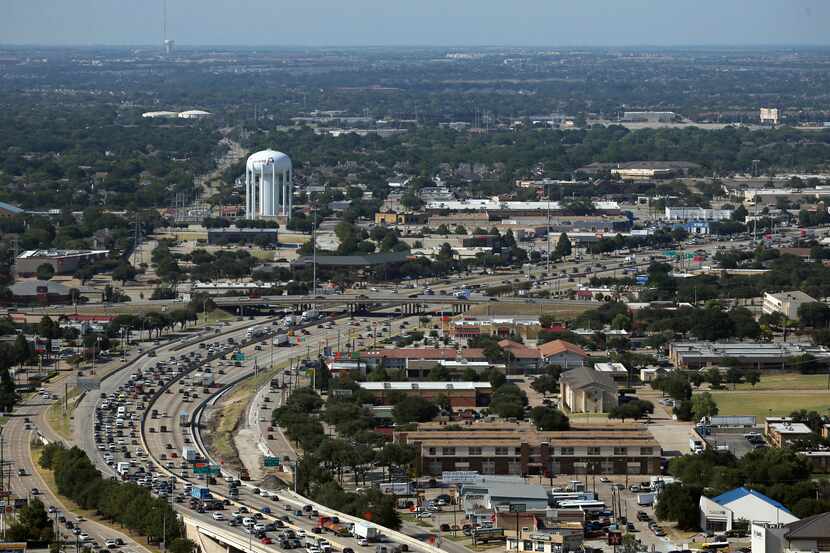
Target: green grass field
column 776, row 394
column 788, row 381
column 771, row 402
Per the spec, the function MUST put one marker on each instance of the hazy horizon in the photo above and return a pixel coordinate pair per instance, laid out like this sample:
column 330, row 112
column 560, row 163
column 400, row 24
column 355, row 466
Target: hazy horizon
column 462, row 23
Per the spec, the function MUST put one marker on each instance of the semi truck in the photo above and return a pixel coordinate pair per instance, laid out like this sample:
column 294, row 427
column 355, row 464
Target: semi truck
column 282, row 340
column 200, row 493
column 122, row 468
column 183, row 418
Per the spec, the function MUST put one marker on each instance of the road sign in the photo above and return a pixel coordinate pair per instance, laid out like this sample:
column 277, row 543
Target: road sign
column 272, row 461
column 239, row 356
column 212, row 470
column 518, row 507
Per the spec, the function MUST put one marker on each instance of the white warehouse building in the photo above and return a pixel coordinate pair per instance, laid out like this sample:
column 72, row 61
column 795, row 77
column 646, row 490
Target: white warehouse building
column 268, row 185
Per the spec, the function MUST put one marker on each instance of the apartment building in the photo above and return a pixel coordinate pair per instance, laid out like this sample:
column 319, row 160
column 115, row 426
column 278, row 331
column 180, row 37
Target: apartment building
column 520, row 449
column 786, row 303
column 460, row 395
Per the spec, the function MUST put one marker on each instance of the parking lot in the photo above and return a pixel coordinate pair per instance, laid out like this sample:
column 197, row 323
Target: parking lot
column 734, row 440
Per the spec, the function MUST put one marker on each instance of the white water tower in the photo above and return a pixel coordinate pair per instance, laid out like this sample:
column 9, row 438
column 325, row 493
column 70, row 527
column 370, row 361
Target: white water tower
column 268, row 185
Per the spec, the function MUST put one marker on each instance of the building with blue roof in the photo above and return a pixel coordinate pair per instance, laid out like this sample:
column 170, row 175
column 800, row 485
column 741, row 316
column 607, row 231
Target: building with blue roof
column 721, row 513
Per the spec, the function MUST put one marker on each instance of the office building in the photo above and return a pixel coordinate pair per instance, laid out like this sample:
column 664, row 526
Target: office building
column 696, row 214
column 786, row 303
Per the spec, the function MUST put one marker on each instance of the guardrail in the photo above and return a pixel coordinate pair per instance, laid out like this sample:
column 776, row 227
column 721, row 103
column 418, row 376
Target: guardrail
column 300, row 500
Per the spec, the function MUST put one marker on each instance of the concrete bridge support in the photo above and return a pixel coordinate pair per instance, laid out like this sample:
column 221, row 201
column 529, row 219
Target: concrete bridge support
column 206, row 543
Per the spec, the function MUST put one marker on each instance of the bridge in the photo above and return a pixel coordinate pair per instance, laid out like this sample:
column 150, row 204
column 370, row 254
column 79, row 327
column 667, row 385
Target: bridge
column 409, row 305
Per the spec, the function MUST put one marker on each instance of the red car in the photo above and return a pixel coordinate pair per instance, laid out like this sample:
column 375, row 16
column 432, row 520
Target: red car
column 265, row 540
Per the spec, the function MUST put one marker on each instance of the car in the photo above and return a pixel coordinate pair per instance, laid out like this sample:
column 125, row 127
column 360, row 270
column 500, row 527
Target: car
column 363, row 542
column 218, row 516
column 34, row 491
column 110, row 544
column 604, row 479
column 265, row 540
column 83, row 536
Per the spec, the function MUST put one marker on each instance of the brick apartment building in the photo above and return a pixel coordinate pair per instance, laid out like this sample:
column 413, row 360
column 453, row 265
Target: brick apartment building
column 461, row 395
column 518, row 448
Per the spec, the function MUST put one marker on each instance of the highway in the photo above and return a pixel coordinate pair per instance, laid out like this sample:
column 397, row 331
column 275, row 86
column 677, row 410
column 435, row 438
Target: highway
column 18, row 451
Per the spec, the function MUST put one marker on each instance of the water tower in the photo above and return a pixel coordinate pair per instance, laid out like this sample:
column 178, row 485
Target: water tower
column 268, row 185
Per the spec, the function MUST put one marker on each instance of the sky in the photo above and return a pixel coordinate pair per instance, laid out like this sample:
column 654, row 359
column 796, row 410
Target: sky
column 418, row 22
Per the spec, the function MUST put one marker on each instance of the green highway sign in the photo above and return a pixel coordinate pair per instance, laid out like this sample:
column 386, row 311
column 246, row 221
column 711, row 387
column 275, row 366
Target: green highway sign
column 206, row 469
column 272, row 461
column 239, row 356
column 670, row 253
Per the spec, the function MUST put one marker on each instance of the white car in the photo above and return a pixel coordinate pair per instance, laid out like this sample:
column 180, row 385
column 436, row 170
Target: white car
column 264, row 493
column 259, row 527
column 83, row 536
column 111, row 543
column 218, row 516
column 363, row 541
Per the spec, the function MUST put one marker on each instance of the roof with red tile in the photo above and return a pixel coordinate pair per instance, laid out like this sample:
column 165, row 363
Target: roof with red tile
column 560, row 346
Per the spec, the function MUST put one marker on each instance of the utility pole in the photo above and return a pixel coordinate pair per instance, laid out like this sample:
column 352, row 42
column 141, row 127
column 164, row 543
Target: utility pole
column 314, row 252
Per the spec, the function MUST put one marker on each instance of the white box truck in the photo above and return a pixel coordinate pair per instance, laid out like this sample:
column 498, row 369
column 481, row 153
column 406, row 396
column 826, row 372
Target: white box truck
column 645, row 499
column 190, row 454
column 365, row 531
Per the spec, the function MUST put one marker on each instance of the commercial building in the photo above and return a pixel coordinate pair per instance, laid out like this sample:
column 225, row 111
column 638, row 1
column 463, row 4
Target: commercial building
column 565, row 539
column 563, row 354
column 392, row 218
column 461, row 395
column 42, row 292
column 584, row 390
column 234, row 235
column 696, row 214
column 638, row 170
column 496, row 495
column 616, row 371
column 649, row 116
column 504, row 208
column 769, row 116
column 62, row 261
column 762, row 197
column 808, row 534
column 782, row 434
column 195, row 114
column 720, row 513
column 518, row 448
column 501, row 327
column 775, row 355
column 786, row 303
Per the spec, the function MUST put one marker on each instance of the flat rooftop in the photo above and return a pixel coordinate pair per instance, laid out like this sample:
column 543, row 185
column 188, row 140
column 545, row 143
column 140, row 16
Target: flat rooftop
column 53, row 254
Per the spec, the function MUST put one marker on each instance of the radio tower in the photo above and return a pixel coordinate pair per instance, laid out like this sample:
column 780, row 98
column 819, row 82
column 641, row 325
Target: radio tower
column 168, row 44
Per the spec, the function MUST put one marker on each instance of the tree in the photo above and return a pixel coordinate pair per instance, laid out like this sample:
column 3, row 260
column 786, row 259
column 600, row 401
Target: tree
column 635, row 409
column 22, row 349
column 703, row 405
column 438, row 373
column 563, row 246
column 549, row 419
column 714, row 377
column 814, row 314
column 508, row 401
column 45, row 271
column 32, row 524
column 546, row 384
column 181, row 545
column 8, row 394
column 414, row 409
column 740, row 214
column 679, row 503
column 124, row 272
